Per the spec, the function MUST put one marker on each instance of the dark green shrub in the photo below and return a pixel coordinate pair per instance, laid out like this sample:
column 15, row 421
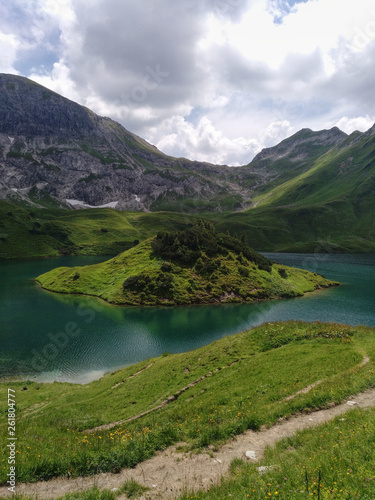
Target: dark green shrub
column 243, row 271
column 162, row 285
column 265, row 266
column 206, row 266
column 189, row 245
column 138, row 282
column 241, row 259
column 283, row 273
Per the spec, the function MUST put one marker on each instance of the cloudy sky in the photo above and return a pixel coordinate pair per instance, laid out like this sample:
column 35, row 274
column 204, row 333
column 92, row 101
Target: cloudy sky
column 212, row 80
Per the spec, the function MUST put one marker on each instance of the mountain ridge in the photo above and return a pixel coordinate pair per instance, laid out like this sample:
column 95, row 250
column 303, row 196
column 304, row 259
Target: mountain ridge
column 63, row 154
column 62, row 151
column 314, row 191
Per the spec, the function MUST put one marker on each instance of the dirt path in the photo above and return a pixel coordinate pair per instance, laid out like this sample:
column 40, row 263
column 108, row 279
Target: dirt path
column 170, row 473
column 257, row 202
column 170, row 399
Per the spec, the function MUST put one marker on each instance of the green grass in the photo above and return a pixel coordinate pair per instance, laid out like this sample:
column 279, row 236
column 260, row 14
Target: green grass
column 27, row 232
column 238, row 383
column 331, row 205
column 334, row 461
column 334, row 227
column 143, row 276
column 132, row 489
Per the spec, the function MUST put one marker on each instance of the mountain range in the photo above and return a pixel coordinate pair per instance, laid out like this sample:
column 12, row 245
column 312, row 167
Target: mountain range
column 55, row 152
column 312, row 189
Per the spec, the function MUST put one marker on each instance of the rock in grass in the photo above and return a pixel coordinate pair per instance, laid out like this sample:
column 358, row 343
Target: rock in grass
column 265, row 468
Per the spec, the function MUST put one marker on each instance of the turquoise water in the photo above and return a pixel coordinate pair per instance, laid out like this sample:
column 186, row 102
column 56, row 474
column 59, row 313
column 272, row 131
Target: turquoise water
column 50, row 337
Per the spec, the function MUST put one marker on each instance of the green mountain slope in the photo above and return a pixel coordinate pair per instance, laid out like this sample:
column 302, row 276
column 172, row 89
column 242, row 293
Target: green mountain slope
column 331, row 206
column 201, row 397
column 201, row 267
column 291, row 157
column 34, row 232
column 345, row 172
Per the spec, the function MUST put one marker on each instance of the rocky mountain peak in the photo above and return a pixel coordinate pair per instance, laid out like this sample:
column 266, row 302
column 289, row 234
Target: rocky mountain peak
column 300, row 144
column 29, row 109
column 55, row 152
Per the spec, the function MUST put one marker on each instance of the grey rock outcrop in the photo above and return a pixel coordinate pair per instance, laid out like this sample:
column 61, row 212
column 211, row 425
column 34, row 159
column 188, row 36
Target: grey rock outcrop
column 54, row 152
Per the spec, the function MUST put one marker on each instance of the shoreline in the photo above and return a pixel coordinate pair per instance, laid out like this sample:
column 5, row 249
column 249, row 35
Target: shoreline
column 333, row 284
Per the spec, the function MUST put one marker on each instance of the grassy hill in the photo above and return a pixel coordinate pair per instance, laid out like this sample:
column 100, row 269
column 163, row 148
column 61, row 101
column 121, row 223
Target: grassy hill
column 292, row 156
column 347, row 170
column 329, row 207
column 202, row 397
column 334, row 461
column 318, row 203
column 194, row 266
column 33, row 232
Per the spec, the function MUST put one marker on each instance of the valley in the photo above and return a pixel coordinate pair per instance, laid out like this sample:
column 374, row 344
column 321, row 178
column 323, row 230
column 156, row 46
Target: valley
column 312, row 192
column 119, row 364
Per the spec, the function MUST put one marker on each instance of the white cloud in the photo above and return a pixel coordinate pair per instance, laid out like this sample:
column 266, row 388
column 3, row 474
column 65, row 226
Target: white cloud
column 361, row 123
column 204, row 142
column 276, row 132
column 58, row 80
column 237, row 75
column 61, row 10
column 8, row 52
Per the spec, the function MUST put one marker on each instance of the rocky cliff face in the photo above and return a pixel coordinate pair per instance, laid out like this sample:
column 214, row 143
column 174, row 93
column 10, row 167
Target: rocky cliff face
column 54, row 152
column 30, row 110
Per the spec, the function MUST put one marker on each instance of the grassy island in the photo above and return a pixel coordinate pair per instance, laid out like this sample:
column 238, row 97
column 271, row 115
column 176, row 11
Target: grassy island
column 194, row 266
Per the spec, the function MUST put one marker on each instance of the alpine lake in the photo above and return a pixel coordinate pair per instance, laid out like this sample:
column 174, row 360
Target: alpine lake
column 69, row 338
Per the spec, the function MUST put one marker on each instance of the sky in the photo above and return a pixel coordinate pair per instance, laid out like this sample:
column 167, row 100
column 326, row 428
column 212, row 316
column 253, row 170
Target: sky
column 209, row 80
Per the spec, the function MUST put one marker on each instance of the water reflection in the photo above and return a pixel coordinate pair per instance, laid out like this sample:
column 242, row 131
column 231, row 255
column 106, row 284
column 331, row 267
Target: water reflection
column 76, row 338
